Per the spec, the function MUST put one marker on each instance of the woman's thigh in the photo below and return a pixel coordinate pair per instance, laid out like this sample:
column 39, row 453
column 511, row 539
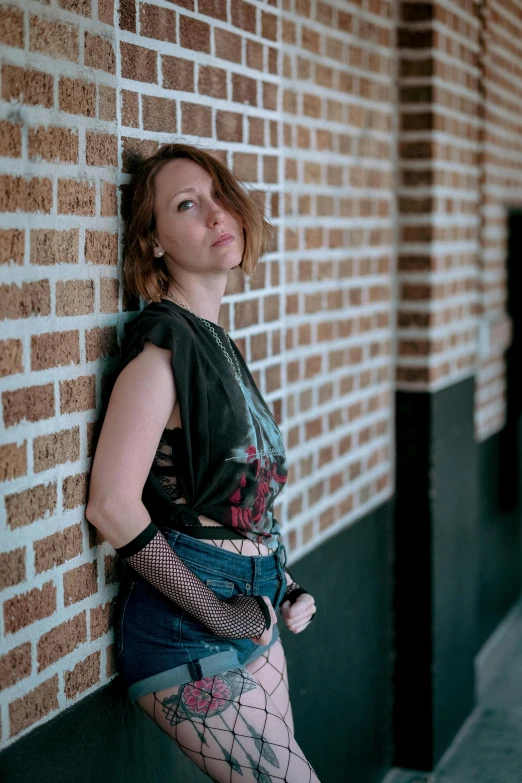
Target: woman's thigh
column 271, row 671
column 231, row 728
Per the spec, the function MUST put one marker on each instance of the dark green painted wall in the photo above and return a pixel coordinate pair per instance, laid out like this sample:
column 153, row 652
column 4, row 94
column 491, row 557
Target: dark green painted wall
column 458, row 561
column 340, row 683
column 500, row 521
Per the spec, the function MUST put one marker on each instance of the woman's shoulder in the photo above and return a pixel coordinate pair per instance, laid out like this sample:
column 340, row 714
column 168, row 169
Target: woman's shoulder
column 162, row 325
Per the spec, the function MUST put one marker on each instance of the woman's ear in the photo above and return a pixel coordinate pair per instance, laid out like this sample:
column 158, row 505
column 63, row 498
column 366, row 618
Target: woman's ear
column 158, row 250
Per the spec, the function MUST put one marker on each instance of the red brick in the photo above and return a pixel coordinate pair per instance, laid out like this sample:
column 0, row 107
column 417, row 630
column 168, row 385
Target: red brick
column 157, row 22
column 33, row 403
column 212, row 81
column 133, row 146
column 56, row 549
column 13, row 460
column 61, row 641
column 24, row 609
column 196, row 120
column 229, row 126
column 74, row 297
column 227, row 45
column 101, row 620
column 11, row 246
column 56, row 449
column 31, row 298
column 215, row 8
column 127, row 15
column 25, row 507
column 53, row 39
column 10, row 138
column 106, row 11
column 34, row 706
column 55, row 349
column 194, row 34
column 101, row 149
column 76, row 198
column 99, row 53
column 33, row 195
column 159, row 114
column 178, row 74
column 12, row 26
column 109, row 200
column 74, row 489
column 244, row 89
column 85, row 675
column 243, row 15
column 27, row 86
column 100, row 342
column 11, row 357
column 53, row 144
column 106, row 103
column 15, row 665
column 12, row 567
column 101, row 247
column 76, row 96
column 254, row 55
column 78, row 394
column 76, row 6
column 269, row 26
column 130, row 112
column 80, row 583
column 49, row 246
column 138, row 63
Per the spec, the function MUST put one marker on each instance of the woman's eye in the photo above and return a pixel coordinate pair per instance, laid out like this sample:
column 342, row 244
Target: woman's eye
column 189, row 201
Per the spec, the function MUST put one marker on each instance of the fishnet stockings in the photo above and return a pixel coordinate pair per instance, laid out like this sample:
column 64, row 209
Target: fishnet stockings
column 232, row 727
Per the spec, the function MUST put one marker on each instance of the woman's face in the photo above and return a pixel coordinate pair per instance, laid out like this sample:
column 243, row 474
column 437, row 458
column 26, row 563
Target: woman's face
column 190, row 216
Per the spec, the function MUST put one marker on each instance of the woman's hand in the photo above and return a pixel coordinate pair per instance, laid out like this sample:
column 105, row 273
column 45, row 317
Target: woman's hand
column 298, row 615
column 266, row 636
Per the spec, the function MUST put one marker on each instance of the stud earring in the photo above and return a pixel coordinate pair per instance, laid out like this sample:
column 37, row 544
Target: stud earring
column 160, row 254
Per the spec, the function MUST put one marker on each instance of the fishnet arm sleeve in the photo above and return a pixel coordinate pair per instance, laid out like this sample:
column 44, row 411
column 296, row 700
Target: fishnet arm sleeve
column 293, row 590
column 243, row 617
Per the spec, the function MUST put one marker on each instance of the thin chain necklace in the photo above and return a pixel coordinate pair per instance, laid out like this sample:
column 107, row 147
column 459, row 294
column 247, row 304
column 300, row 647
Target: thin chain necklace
column 234, row 364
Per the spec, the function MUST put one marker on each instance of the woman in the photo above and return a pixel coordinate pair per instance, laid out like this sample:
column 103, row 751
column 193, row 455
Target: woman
column 187, row 467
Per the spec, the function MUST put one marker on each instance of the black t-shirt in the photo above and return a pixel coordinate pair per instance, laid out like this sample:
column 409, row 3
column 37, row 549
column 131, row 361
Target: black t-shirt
column 227, row 459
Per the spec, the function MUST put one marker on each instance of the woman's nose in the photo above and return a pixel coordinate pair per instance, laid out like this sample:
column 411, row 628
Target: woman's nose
column 216, row 214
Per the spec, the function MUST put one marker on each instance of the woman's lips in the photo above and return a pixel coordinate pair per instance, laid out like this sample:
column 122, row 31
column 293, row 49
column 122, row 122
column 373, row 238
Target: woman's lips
column 225, row 241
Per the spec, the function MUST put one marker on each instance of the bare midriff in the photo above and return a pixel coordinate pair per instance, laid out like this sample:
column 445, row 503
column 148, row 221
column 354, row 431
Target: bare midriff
column 239, row 546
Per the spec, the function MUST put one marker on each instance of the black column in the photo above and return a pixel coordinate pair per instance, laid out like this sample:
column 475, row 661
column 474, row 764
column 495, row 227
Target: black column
column 436, row 571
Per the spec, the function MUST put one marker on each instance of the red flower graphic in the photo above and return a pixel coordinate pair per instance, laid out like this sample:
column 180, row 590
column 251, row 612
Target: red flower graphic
column 243, row 518
column 206, row 696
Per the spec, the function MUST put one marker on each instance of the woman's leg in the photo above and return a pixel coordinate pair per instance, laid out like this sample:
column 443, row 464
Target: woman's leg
column 231, row 728
column 272, row 672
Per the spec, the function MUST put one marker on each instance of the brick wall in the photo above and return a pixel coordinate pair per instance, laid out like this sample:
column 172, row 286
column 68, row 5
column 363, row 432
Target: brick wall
column 337, row 144
column 460, row 169
column 297, row 100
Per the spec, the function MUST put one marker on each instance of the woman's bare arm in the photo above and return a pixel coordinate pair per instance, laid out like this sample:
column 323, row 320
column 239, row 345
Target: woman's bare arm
column 140, row 405
column 139, row 408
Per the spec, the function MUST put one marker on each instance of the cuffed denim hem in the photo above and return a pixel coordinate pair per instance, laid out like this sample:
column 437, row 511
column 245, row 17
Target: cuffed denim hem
column 187, row 672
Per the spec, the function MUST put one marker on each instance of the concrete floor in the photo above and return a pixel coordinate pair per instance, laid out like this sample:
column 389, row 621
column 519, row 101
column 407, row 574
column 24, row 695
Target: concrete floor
column 488, row 748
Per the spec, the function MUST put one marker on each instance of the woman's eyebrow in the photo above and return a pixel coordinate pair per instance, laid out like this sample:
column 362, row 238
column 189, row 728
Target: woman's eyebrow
column 185, row 190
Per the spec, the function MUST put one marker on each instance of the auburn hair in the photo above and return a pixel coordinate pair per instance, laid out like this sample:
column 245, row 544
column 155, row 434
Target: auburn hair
column 147, row 276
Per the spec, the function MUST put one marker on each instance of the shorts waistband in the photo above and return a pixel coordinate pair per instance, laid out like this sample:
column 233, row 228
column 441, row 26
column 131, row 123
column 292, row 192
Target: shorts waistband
column 199, row 547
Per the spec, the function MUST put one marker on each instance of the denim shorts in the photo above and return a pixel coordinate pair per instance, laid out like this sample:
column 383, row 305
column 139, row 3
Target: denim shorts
column 159, row 645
